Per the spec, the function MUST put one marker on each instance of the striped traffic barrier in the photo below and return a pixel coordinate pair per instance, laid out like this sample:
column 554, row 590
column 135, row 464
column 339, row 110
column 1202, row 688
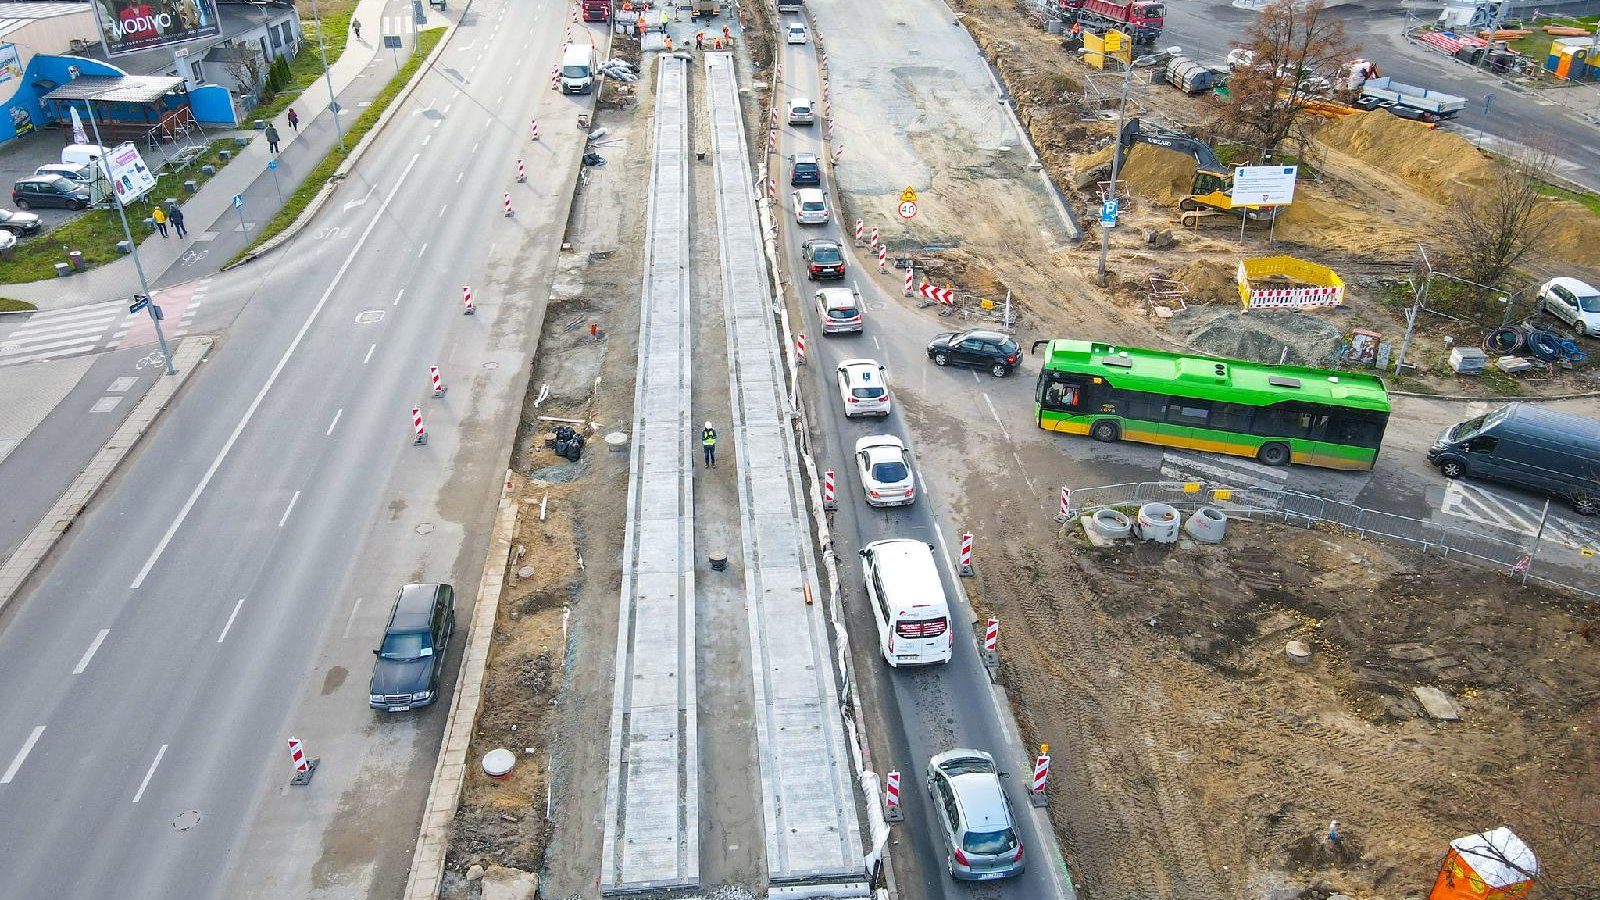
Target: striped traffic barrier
column 772, row 188
column 1066, row 505
column 303, row 768
column 1041, row 775
column 800, row 349
column 861, row 228
column 555, row 78
column 908, row 280
column 828, row 501
column 891, row 798
column 874, row 237
column 466, row 301
column 505, row 199
column 772, row 141
column 838, row 152
column 416, row 423
column 438, row 382
column 522, row 172
column 991, row 635
column 966, row 554
column 883, row 259
column 533, row 127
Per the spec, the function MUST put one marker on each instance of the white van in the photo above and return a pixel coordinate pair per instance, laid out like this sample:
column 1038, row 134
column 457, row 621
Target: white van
column 82, row 154
column 908, row 602
column 578, row 62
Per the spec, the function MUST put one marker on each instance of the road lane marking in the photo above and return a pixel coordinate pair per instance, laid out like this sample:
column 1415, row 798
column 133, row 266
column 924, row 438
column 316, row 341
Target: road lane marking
column 368, row 357
column 398, row 296
column 446, row 206
column 352, row 620
column 231, row 617
column 292, row 501
column 152, row 771
column 334, row 424
column 426, row 139
column 456, row 94
column 423, row 250
column 990, row 404
column 83, row 662
column 474, row 148
column 875, row 343
column 16, row 761
column 458, row 179
column 272, row 379
column 446, row 110
column 1023, row 471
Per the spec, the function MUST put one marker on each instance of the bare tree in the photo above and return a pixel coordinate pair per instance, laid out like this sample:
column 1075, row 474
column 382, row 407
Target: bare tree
column 1489, row 230
column 1295, row 48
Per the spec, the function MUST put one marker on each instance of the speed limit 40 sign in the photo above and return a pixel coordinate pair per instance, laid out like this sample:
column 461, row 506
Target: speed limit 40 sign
column 908, row 208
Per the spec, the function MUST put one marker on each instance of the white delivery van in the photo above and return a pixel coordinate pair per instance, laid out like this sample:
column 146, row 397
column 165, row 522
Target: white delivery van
column 908, row 602
column 578, row 62
column 82, row 154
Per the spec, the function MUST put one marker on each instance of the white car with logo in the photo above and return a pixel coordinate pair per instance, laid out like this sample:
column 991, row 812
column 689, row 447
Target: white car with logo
column 863, row 388
column 884, row 466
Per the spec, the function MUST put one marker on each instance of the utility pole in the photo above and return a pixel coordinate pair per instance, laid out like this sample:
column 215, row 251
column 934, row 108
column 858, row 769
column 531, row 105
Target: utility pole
column 1494, row 29
column 1420, row 297
column 1116, row 152
column 333, row 102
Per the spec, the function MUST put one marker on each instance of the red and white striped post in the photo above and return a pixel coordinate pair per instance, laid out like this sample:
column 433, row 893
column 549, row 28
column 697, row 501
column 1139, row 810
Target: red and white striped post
column 891, row 798
column 772, row 188
column 466, row 301
column 522, row 172
column 303, row 768
column 574, row 14
column 772, row 141
column 555, row 78
column 991, row 635
column 908, row 279
column 837, row 153
column 966, row 554
column 533, row 129
column 828, row 501
column 1041, row 775
column 438, row 382
column 1066, row 505
column 883, row 259
column 827, row 110
column 505, row 200
column 799, row 349
column 861, row 228
column 874, row 237
column 774, row 117
column 416, row 423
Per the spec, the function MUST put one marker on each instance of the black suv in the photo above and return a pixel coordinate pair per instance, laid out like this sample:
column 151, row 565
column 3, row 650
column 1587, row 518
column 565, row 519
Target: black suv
column 979, row 348
column 823, row 258
column 411, row 660
column 805, row 170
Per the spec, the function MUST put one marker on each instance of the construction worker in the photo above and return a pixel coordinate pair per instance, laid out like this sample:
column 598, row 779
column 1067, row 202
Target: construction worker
column 727, row 36
column 668, row 39
column 699, row 40
column 708, row 442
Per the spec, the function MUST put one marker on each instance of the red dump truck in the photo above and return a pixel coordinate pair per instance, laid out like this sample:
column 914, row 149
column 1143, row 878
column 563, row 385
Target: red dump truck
column 1140, row 19
column 597, row 10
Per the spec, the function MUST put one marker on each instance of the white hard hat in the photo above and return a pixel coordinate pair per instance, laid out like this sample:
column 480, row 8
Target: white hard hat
column 708, row 423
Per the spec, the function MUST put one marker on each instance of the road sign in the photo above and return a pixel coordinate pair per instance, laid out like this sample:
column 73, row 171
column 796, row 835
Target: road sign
column 908, row 209
column 1108, row 212
column 140, row 301
column 238, row 201
column 909, row 195
column 392, row 41
column 272, row 164
column 1263, row 185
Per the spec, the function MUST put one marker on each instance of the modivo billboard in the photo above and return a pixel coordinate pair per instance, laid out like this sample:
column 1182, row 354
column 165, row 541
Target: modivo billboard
column 129, row 26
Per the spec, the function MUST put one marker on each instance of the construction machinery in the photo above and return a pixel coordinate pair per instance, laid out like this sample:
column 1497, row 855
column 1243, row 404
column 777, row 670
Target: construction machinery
column 1213, row 180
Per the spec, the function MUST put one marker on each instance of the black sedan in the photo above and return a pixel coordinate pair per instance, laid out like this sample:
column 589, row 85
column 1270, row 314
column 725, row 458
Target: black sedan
column 979, row 348
column 19, row 223
column 823, row 258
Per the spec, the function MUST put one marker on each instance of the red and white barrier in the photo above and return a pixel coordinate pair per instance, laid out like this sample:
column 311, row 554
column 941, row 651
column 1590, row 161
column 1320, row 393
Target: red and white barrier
column 910, row 289
column 800, row 349
column 533, row 128
column 827, row 110
column 772, row 188
column 574, row 14
column 966, row 554
column 838, row 152
column 522, row 172
column 861, row 229
column 991, row 635
column 466, row 301
column 939, row 294
column 774, row 117
column 883, row 259
column 438, row 382
column 416, row 423
column 1066, row 505
column 506, row 200
column 297, row 755
column 780, row 71
column 1041, row 775
column 772, row 141
column 828, row 501
column 555, row 78
column 874, row 237
column 891, row 797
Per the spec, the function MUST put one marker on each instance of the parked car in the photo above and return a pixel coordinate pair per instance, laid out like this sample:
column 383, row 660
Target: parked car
column 823, row 259
column 411, row 660
column 79, row 172
column 1530, row 447
column 795, row 34
column 884, row 466
column 1573, row 302
column 7, row 241
column 50, row 190
column 805, row 170
column 840, row 310
column 863, row 388
column 18, row 223
column 810, row 207
column 979, row 834
column 800, row 112
column 979, row 348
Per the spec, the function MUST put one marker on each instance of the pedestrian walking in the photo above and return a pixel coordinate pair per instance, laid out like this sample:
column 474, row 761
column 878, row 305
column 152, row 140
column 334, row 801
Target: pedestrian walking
column 176, row 215
column 294, row 120
column 699, row 40
column 160, row 217
column 272, row 139
column 355, row 24
column 708, row 442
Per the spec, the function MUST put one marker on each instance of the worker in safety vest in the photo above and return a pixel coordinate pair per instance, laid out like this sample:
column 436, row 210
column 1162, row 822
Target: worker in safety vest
column 708, row 442
column 699, row 40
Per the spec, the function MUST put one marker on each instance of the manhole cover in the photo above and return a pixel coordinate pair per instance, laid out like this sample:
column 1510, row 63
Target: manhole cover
column 876, row 304
column 186, row 820
column 369, row 316
column 525, row 572
column 491, row 365
column 425, row 528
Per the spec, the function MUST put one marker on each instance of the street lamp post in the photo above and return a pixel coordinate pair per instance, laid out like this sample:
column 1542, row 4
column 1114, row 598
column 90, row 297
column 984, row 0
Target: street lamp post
column 1116, row 152
column 133, row 246
column 333, row 102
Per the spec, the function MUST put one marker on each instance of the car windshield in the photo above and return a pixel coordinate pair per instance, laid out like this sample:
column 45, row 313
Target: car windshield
column 1473, row 426
column 826, row 253
column 867, row 393
column 1589, row 302
column 406, row 645
column 889, row 472
column 990, row 843
column 811, row 205
column 842, row 312
column 575, row 71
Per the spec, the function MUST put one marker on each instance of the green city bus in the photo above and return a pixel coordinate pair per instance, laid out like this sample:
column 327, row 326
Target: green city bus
column 1276, row 414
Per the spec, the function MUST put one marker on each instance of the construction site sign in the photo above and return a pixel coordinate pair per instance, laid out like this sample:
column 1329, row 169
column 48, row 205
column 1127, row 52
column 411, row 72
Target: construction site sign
column 1311, row 284
column 909, row 195
column 1263, row 185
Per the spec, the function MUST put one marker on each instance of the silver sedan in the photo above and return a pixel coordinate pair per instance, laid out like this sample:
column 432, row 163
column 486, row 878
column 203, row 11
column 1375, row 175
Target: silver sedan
column 884, row 466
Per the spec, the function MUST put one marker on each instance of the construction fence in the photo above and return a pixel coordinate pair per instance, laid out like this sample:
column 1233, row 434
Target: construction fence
column 1560, row 565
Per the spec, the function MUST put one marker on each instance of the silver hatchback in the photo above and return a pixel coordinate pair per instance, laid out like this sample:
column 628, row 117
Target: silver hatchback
column 980, row 837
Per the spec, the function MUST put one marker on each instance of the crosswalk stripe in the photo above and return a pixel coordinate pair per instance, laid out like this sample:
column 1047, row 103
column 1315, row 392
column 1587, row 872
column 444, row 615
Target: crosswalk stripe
column 74, row 341
column 55, row 316
column 81, row 327
column 1223, row 470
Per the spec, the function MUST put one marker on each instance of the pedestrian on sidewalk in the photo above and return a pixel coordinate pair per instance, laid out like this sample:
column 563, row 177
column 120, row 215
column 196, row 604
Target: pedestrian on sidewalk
column 272, row 139
column 176, row 215
column 708, row 441
column 356, row 25
column 294, row 120
column 160, row 217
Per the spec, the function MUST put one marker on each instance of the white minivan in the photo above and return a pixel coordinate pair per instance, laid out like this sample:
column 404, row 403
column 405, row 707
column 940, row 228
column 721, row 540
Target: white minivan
column 578, row 63
column 908, row 602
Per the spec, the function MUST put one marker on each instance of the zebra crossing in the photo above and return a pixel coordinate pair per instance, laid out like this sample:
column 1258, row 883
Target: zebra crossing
column 398, row 25
column 95, row 327
column 1221, row 471
column 1482, row 506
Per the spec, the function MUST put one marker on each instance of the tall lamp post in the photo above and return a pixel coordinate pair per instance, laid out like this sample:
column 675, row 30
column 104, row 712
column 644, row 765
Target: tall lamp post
column 333, row 102
column 1116, row 153
column 133, row 246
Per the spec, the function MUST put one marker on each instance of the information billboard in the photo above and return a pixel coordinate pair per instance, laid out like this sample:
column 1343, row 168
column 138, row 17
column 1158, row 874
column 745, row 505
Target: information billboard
column 128, row 26
column 1263, row 185
column 129, row 176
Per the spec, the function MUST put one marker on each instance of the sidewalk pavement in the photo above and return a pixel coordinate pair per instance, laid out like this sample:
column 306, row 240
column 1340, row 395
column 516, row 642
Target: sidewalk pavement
column 214, row 200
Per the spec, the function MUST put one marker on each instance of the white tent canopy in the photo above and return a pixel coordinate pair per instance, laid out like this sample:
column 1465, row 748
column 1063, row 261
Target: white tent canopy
column 1499, row 857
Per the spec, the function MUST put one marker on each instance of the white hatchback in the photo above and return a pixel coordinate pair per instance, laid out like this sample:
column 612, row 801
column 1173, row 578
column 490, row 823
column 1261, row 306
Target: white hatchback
column 1573, row 302
column 796, row 33
column 863, row 388
column 810, row 207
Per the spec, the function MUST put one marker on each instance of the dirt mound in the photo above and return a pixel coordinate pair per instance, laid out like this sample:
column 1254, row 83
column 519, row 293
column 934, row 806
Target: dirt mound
column 1317, row 219
column 1209, row 281
column 1575, row 234
column 1435, row 162
column 1164, row 176
column 1262, row 336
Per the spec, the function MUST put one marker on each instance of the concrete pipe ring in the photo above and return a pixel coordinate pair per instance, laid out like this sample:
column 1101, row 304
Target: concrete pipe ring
column 1159, row 522
column 1207, row 525
column 1111, row 524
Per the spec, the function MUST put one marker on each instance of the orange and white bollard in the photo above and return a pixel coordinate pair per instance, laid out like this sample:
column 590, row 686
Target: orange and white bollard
column 874, row 237
column 505, row 199
column 799, row 349
column 828, row 501
column 883, row 259
column 1066, row 505
column 1041, row 775
column 522, row 172
column 908, row 279
column 533, row 129
column 416, row 423
column 837, row 153
column 774, row 117
column 966, row 555
column 772, row 141
column 303, row 768
column 438, row 382
column 466, row 301
column 861, row 229
column 891, row 798
column 991, row 636
column 555, row 78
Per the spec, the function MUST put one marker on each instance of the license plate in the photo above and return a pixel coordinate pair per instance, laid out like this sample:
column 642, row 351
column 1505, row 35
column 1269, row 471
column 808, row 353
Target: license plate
column 399, row 708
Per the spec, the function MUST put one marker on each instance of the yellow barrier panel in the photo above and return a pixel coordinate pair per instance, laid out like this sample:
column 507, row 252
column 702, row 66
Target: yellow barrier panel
column 1192, row 487
column 1119, row 45
column 1094, row 46
column 1319, row 285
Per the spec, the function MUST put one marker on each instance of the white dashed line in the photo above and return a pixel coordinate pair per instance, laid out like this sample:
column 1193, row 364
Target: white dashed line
column 83, row 663
column 147, row 775
column 422, row 251
column 231, row 616
column 368, row 357
column 352, row 620
column 990, row 404
column 398, row 296
column 16, row 761
column 289, row 509
column 335, row 423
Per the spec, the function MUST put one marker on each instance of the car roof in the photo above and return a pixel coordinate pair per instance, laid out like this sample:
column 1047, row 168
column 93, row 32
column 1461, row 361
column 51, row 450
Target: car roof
column 880, row 442
column 844, row 296
column 804, row 158
column 414, row 607
column 985, row 334
column 794, row 25
column 978, row 793
column 800, row 101
column 810, row 193
column 1574, row 285
column 823, row 242
column 60, row 167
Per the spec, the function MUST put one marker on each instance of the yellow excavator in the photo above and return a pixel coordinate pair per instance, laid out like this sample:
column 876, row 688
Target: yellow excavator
column 1213, row 181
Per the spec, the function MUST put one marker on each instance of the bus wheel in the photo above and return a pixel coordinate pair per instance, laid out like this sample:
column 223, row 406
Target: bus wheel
column 1105, row 430
column 1273, row 454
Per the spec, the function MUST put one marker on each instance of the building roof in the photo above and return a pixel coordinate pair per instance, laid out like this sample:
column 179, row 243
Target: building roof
column 127, row 89
column 14, row 16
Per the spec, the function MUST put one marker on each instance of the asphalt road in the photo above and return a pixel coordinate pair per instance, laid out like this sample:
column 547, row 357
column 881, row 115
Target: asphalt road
column 225, row 591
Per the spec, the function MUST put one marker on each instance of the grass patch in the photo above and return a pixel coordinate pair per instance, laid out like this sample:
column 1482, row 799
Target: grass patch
column 306, row 67
column 95, row 233
column 297, row 202
column 9, row 305
column 1589, row 200
column 1536, row 46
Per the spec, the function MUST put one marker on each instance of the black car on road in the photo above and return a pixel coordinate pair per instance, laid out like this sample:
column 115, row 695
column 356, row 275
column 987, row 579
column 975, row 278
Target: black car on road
column 805, row 170
column 18, row 223
column 823, row 258
column 979, row 348
column 411, row 661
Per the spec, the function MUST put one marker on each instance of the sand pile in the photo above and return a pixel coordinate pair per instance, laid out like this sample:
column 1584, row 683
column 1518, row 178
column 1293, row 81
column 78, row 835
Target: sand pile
column 1210, row 281
column 1160, row 175
column 1575, row 233
column 1435, row 162
column 1317, row 219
